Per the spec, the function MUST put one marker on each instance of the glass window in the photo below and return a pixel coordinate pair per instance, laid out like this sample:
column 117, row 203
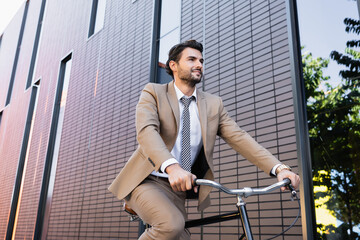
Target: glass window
column 61, row 113
column 53, row 149
column 23, row 160
column 17, row 53
column 97, row 16
column 36, row 45
column 329, row 32
column 169, row 35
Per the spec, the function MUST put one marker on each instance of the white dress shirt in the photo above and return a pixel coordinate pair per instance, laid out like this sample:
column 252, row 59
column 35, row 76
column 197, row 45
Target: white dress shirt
column 195, row 134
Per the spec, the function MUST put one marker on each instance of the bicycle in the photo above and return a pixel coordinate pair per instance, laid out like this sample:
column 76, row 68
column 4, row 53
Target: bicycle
column 241, row 206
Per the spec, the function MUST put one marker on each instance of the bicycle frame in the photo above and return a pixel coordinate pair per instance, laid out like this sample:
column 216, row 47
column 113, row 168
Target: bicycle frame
column 241, row 213
column 244, row 219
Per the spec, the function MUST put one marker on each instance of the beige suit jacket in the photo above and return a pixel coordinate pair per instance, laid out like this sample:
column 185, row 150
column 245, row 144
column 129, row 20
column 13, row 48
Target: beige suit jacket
column 157, row 126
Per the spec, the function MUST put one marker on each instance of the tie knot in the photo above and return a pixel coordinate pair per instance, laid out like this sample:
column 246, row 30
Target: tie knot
column 186, row 101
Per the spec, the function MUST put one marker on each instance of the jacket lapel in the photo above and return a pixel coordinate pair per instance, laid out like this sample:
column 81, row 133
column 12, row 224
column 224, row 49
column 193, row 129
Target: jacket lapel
column 201, row 103
column 171, row 94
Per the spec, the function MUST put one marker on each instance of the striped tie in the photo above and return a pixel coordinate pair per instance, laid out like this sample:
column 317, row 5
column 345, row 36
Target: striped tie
column 185, row 139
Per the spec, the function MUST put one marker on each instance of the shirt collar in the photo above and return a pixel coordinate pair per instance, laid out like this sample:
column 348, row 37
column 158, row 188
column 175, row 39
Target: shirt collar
column 179, row 93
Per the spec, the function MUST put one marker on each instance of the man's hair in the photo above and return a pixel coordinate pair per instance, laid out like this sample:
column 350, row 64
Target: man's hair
column 175, row 52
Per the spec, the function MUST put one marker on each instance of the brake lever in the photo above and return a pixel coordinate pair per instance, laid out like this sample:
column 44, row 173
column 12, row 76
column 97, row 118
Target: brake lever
column 293, row 191
column 291, row 188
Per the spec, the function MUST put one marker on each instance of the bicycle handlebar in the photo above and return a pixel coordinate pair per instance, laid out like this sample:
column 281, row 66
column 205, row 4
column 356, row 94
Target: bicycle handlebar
column 247, row 191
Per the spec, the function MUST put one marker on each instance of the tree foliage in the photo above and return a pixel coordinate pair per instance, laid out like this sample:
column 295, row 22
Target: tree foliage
column 351, row 57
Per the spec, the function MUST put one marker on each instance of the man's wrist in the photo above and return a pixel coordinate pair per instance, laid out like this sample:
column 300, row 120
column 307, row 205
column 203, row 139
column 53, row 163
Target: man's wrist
column 272, row 172
column 172, row 167
column 281, row 168
column 167, row 163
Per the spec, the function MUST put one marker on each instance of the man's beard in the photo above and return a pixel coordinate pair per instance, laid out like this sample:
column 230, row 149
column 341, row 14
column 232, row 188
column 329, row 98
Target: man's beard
column 189, row 79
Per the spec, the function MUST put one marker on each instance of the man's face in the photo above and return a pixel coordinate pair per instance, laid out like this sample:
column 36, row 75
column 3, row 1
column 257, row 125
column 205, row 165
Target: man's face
column 189, row 69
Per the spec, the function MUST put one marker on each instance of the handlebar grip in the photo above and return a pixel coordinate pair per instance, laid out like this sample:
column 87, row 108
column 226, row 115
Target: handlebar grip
column 291, row 188
column 287, row 181
column 195, row 182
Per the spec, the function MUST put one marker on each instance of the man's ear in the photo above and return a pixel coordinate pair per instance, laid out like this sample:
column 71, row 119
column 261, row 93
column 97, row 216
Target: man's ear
column 173, row 65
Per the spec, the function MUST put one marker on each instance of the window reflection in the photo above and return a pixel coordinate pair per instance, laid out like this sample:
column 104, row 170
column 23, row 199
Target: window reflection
column 330, row 35
column 100, row 15
column 166, row 42
column 97, row 16
column 169, row 34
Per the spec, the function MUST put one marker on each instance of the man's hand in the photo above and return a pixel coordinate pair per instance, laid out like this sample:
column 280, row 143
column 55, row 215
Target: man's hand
column 179, row 179
column 294, row 178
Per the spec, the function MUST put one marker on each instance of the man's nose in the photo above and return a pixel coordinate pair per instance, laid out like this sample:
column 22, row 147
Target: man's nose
column 198, row 64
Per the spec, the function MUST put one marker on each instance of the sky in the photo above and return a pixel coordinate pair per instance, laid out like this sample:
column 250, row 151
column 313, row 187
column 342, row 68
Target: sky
column 8, row 9
column 322, row 29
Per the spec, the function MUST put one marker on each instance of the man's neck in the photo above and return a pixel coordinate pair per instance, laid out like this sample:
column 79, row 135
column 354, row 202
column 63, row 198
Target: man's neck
column 184, row 88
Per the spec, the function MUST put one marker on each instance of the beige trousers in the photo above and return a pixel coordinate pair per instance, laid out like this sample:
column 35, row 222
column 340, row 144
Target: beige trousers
column 159, row 206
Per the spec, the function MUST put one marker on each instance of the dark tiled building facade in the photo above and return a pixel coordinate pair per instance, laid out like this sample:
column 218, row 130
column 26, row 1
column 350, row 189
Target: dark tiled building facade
column 56, row 162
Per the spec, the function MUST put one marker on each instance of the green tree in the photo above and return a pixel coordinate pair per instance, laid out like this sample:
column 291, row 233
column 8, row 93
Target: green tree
column 334, row 125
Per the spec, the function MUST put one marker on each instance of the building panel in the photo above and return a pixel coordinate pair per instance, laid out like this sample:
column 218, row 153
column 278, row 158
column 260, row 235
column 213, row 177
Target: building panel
column 246, row 63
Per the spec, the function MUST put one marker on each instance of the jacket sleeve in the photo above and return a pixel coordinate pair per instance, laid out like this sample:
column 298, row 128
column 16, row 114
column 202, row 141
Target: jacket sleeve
column 148, row 128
